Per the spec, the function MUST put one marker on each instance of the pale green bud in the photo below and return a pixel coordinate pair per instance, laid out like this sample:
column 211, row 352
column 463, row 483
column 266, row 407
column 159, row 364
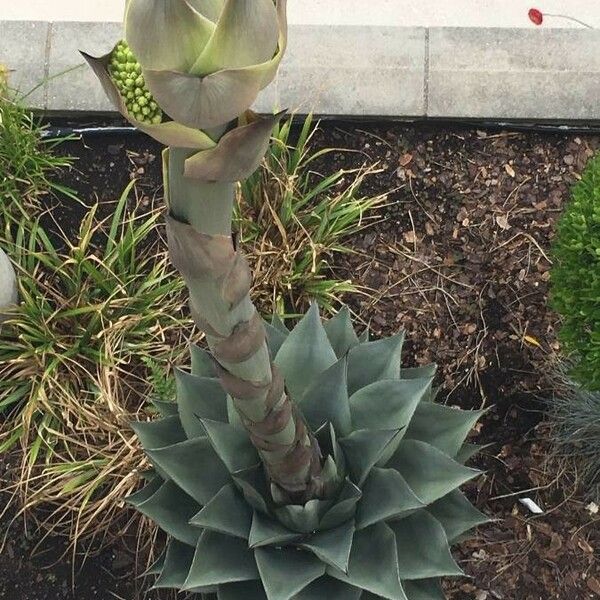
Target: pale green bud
column 126, row 73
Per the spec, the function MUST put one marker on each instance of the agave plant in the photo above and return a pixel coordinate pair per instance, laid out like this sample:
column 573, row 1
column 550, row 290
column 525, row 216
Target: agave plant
column 294, row 464
column 390, row 504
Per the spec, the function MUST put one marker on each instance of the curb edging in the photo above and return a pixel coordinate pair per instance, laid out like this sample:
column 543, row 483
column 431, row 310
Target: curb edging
column 354, row 71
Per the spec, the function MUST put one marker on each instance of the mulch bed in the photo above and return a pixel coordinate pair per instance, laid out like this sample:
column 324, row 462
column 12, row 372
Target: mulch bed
column 460, row 259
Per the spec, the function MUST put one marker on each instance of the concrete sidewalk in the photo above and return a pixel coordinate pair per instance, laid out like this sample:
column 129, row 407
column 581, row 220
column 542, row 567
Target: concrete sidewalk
column 394, row 13
column 355, row 70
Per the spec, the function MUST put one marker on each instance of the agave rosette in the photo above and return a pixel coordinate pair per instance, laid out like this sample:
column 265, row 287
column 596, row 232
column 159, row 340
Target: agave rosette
column 394, row 461
column 202, row 63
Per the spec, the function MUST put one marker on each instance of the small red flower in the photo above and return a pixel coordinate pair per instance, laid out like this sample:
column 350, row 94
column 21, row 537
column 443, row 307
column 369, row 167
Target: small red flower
column 536, row 16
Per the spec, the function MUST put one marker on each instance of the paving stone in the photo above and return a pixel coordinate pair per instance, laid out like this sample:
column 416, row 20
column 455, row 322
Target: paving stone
column 353, row 71
column 430, row 13
column 520, row 74
column 23, row 51
column 369, row 70
column 73, row 86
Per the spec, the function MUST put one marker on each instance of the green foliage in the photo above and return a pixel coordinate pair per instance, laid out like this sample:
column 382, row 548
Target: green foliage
column 163, row 384
column 71, row 302
column 292, row 220
column 576, row 276
column 75, row 356
column 28, row 159
column 390, row 506
column 127, row 75
column 576, row 433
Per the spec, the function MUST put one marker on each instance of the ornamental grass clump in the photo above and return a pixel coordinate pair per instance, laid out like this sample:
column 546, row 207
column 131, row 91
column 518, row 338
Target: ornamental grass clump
column 575, row 415
column 292, row 221
column 300, row 464
column 29, row 159
column 76, row 365
column 575, row 277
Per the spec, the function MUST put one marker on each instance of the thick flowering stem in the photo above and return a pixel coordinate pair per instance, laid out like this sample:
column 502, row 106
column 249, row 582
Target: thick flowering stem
column 219, row 280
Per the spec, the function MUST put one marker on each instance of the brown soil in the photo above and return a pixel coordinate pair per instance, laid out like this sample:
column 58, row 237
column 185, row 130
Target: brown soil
column 460, row 259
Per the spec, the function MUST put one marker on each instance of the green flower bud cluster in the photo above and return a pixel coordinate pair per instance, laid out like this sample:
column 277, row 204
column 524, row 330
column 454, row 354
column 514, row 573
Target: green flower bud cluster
column 127, row 75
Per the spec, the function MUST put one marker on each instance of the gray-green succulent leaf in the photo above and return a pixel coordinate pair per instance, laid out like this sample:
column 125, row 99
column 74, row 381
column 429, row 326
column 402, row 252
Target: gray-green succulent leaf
column 205, row 62
column 237, row 154
column 391, row 504
column 231, row 156
column 170, row 133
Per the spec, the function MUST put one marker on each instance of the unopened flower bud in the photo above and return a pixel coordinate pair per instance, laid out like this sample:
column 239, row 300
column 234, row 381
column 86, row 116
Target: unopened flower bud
column 126, row 72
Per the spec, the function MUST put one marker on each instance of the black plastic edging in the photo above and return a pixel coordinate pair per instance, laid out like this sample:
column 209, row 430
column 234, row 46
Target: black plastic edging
column 517, row 126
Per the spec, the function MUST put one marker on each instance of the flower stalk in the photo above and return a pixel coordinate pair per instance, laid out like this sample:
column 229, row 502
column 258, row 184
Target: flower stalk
column 201, row 65
column 202, row 248
column 254, row 505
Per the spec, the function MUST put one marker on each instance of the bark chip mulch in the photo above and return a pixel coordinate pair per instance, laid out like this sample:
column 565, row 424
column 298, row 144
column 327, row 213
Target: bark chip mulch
column 460, row 258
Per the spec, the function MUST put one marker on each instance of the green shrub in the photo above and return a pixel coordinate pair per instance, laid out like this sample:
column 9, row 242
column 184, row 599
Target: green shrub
column 576, row 277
